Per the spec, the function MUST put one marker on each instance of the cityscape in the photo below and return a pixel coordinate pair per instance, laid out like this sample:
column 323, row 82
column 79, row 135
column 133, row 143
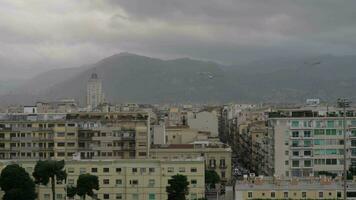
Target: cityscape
column 228, row 100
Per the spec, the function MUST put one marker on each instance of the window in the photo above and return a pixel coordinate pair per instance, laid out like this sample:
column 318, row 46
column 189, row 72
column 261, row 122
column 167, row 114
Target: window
column 295, row 153
column 106, row 181
column 295, row 163
column 118, row 196
column 134, row 170
column 106, row 196
column 60, row 134
column 319, row 132
column 151, row 170
column 142, row 153
column 295, row 123
column 60, row 144
column 151, row 182
column 118, row 182
column 193, row 169
column 307, row 163
column 118, row 170
column 285, row 194
column 193, row 182
column 59, row 196
column 151, row 196
column 106, row 170
column 249, row 194
column 307, row 143
column 321, row 194
column 307, row 134
column 286, row 162
column 295, row 143
column 134, row 182
column 353, row 143
column 307, row 153
column 181, row 169
column 295, row 134
column 304, row 195
column 143, row 170
column 70, row 170
column 339, row 194
column 82, row 171
column 286, row 153
column 94, row 170
column 171, row 169
column 46, row 196
column 273, row 194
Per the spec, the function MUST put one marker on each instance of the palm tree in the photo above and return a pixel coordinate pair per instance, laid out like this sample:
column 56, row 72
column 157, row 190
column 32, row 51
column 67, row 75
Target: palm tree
column 49, row 170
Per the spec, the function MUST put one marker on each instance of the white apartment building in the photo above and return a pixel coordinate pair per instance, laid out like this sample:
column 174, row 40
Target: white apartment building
column 307, row 143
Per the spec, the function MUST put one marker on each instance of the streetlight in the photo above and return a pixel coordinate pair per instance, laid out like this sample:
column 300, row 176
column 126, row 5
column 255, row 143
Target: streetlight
column 344, row 103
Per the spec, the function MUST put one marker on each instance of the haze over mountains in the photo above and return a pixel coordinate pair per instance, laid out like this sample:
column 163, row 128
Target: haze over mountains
column 133, row 78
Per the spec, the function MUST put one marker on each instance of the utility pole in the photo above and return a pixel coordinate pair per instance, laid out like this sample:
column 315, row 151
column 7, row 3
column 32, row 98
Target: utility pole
column 344, row 103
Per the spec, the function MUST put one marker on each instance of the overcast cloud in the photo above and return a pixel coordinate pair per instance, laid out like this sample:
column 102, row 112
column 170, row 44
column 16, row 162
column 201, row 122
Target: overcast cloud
column 67, row 33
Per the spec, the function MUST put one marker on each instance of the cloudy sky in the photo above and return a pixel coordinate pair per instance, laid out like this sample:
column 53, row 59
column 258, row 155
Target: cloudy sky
column 67, row 33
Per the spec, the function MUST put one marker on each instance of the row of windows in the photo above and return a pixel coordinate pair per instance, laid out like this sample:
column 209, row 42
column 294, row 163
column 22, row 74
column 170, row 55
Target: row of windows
column 119, row 196
column 320, row 123
column 133, row 170
column 291, row 194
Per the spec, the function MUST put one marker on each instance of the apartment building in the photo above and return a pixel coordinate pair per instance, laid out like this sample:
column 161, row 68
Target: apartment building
column 217, row 156
column 64, row 136
column 126, row 179
column 307, row 142
column 307, row 188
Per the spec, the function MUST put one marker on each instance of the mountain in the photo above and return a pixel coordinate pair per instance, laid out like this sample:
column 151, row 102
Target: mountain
column 134, row 78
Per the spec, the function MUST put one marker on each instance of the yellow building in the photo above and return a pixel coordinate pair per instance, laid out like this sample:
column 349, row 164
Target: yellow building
column 217, row 156
column 131, row 179
column 309, row 188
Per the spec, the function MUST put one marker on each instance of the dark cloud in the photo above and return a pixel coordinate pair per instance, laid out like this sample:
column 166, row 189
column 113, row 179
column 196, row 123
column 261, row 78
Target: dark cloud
column 70, row 33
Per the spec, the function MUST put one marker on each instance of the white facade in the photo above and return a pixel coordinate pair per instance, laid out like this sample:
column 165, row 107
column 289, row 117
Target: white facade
column 204, row 121
column 159, row 134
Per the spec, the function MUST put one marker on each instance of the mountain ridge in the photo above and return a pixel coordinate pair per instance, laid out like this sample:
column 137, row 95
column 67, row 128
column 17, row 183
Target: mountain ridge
column 129, row 77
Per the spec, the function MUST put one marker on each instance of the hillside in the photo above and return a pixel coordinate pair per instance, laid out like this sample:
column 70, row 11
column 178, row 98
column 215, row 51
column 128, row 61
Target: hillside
column 134, row 78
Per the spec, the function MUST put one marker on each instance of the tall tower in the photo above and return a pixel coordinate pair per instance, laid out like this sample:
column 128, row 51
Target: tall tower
column 95, row 95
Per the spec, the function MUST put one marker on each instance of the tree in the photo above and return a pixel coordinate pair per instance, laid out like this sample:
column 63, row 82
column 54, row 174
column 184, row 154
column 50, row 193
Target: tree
column 178, row 187
column 211, row 178
column 17, row 184
column 86, row 183
column 71, row 191
column 49, row 170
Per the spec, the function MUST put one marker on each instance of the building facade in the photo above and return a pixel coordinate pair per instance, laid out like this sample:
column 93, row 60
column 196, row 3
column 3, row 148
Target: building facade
column 124, row 179
column 271, row 188
column 307, row 143
column 217, row 156
column 64, row 136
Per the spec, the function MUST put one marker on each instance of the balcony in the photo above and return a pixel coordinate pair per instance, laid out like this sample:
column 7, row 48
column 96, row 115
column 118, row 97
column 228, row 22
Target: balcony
column 211, row 167
column 223, row 167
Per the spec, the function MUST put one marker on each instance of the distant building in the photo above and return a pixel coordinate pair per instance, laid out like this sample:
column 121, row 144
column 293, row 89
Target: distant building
column 204, row 121
column 95, row 95
column 30, row 109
